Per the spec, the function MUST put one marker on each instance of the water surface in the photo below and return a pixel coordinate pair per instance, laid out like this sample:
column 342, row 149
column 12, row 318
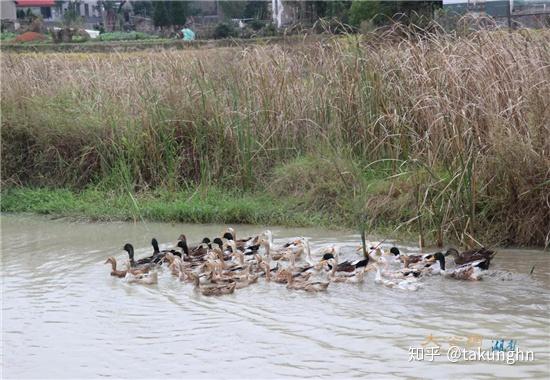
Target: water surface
column 65, row 317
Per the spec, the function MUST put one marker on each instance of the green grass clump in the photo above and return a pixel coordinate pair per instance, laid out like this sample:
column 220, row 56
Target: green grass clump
column 201, row 206
column 6, row 36
column 126, row 36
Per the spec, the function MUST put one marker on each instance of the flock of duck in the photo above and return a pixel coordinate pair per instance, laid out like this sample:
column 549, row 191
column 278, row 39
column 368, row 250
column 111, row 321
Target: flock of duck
column 224, row 264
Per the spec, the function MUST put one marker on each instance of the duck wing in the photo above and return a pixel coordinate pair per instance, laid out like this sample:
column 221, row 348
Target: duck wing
column 360, row 263
column 345, row 266
column 473, row 255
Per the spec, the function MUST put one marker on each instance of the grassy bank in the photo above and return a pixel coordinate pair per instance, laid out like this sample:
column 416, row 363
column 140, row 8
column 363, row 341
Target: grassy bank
column 448, row 137
column 199, row 206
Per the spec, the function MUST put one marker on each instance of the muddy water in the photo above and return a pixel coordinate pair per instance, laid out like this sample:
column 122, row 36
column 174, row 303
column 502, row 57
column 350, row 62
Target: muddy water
column 65, row 317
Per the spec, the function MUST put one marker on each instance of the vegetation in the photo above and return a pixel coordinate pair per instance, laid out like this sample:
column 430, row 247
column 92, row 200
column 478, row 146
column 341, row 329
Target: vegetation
column 435, row 134
column 224, row 30
column 383, row 12
column 199, row 206
column 6, row 36
column 126, row 36
column 169, row 13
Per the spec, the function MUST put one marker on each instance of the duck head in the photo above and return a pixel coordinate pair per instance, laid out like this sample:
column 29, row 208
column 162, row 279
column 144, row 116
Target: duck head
column 217, row 241
column 395, row 251
column 231, row 231
column 130, row 249
column 452, row 251
column 328, row 256
column 111, row 260
column 228, row 236
column 155, row 245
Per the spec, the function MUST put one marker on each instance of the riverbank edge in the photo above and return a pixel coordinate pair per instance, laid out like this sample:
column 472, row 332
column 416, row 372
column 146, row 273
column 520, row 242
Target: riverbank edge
column 184, row 206
column 201, row 206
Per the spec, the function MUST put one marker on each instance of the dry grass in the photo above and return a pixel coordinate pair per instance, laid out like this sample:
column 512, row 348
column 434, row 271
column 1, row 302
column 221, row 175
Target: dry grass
column 451, row 134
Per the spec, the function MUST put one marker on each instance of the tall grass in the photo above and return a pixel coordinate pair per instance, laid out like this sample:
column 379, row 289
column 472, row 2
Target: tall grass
column 448, row 135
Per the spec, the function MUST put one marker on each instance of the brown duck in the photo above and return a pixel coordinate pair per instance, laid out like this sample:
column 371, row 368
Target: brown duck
column 465, row 257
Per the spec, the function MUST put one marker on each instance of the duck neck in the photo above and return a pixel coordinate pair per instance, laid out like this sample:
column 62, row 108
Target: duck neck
column 155, row 244
column 269, row 236
column 441, row 260
column 130, row 251
column 184, row 247
column 308, row 252
column 113, row 265
column 378, row 274
column 267, row 246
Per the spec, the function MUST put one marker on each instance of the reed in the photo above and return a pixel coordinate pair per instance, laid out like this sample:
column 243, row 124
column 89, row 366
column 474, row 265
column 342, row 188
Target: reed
column 446, row 135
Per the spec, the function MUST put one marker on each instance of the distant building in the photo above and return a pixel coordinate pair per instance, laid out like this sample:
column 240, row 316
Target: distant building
column 7, row 10
column 43, row 8
column 52, row 11
column 8, row 16
column 529, row 13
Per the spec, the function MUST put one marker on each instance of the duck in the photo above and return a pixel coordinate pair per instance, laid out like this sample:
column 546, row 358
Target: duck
column 415, row 260
column 114, row 272
column 471, row 271
column 212, row 290
column 276, row 253
column 307, row 286
column 129, row 248
column 242, row 280
column 404, row 284
column 156, row 257
column 355, row 277
column 346, row 266
column 281, row 276
column 242, row 244
column 264, row 266
column 400, row 273
column 472, row 255
column 174, row 264
column 196, row 251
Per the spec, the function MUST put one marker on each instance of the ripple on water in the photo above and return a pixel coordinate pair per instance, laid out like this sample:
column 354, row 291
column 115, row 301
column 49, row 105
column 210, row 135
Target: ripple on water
column 60, row 303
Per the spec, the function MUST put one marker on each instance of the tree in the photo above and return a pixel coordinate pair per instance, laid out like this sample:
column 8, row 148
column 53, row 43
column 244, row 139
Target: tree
column 160, row 14
column 233, row 9
column 109, row 13
column 256, row 9
column 382, row 11
column 337, row 9
column 71, row 17
column 363, row 10
column 169, row 13
column 178, row 12
column 143, row 8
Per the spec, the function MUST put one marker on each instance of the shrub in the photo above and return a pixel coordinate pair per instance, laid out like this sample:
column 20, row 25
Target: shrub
column 126, row 36
column 224, row 30
column 256, row 24
column 5, row 36
column 269, row 30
